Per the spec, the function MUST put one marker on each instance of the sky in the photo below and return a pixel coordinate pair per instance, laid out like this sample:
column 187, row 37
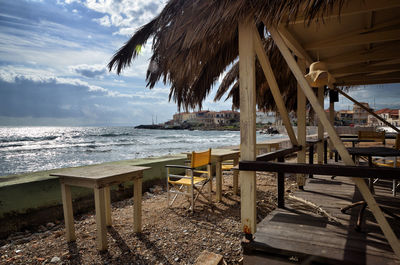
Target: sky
column 53, row 57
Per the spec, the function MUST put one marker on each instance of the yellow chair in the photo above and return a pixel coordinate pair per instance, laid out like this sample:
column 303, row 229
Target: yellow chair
column 194, row 179
column 390, row 163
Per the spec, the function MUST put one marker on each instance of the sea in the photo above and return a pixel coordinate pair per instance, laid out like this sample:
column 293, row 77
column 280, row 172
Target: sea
column 29, row 149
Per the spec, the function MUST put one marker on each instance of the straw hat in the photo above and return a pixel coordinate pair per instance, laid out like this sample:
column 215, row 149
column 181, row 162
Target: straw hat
column 319, row 75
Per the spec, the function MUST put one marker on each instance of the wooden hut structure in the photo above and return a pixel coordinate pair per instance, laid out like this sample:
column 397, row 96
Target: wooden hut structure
column 357, row 42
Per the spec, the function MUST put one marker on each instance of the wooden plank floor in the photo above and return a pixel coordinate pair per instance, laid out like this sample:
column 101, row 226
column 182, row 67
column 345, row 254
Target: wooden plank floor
column 312, row 229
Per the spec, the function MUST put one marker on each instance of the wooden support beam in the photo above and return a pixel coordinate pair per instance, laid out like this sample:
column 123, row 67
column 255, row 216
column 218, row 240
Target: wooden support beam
column 363, row 68
column 325, row 169
column 247, row 84
column 383, row 52
column 269, row 75
column 364, row 36
column 279, row 153
column 294, row 45
column 365, row 77
column 301, row 127
column 332, row 120
column 370, row 82
column 354, row 7
column 320, row 144
column 368, row 110
column 362, row 186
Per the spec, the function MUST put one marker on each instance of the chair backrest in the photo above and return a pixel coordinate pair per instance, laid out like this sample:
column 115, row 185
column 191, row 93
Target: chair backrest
column 397, row 143
column 368, row 135
column 200, row 158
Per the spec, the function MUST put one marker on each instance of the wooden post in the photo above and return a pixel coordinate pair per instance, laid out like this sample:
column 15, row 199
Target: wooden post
column 320, row 144
column 362, row 186
column 68, row 212
column 247, row 83
column 99, row 203
column 301, row 129
column 107, row 198
column 332, row 120
column 137, row 205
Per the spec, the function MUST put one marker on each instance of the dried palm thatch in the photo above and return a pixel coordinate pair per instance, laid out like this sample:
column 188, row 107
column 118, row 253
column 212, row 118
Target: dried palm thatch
column 195, row 40
column 264, row 99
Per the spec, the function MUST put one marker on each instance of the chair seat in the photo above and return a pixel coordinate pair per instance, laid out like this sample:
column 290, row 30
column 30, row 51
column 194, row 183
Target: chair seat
column 201, row 171
column 387, row 163
column 226, row 167
column 187, row 182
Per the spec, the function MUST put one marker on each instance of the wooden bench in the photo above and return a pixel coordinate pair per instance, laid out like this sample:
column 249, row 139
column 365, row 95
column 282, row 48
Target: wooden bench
column 368, row 135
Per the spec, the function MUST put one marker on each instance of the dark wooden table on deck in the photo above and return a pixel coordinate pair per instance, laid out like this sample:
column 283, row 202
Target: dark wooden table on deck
column 375, row 151
column 100, row 178
column 356, row 141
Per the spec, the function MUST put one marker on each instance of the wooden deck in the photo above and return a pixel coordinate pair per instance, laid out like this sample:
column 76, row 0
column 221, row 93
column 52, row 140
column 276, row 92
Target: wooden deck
column 311, row 229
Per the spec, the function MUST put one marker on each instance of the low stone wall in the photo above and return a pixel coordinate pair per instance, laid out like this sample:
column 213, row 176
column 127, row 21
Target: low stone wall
column 33, row 199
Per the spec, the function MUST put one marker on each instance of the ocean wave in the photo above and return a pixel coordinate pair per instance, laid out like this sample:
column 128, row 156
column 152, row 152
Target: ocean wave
column 98, row 151
column 29, row 139
column 10, row 145
column 113, row 134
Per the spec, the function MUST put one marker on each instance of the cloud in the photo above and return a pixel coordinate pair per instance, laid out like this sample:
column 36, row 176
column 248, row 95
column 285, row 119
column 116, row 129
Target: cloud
column 125, row 15
column 104, row 21
column 89, row 70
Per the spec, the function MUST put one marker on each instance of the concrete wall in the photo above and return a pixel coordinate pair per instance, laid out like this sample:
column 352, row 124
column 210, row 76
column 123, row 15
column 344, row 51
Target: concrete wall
column 33, row 199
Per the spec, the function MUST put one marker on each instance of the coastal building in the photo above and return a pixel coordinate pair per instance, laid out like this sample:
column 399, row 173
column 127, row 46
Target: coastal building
column 390, row 115
column 207, row 117
column 360, row 115
column 345, row 117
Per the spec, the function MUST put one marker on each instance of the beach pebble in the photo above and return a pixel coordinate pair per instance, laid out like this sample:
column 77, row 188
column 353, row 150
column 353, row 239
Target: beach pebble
column 55, row 260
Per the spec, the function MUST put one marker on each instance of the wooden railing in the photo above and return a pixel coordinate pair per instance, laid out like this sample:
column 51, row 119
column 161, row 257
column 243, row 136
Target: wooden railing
column 265, row 163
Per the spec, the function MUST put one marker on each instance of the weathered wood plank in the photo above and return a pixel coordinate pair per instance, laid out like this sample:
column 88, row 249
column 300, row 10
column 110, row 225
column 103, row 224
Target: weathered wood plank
column 328, row 169
column 247, row 83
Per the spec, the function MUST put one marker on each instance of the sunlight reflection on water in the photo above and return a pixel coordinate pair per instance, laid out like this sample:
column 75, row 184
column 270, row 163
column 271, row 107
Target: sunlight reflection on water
column 27, row 149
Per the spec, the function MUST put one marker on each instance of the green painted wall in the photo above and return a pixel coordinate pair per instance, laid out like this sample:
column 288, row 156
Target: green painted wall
column 27, row 193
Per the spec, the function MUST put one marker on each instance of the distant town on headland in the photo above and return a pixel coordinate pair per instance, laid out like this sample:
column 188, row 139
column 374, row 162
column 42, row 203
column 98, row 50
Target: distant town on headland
column 230, row 120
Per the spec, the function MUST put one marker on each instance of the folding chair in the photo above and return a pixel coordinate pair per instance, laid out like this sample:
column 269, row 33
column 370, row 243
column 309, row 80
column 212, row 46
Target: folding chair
column 193, row 180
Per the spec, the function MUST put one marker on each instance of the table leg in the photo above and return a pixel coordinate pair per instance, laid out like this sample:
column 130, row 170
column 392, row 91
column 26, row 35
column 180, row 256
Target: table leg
column 218, row 180
column 235, row 176
column 370, row 180
column 394, row 181
column 311, row 158
column 99, row 202
column 137, row 205
column 68, row 212
column 107, row 198
column 281, row 186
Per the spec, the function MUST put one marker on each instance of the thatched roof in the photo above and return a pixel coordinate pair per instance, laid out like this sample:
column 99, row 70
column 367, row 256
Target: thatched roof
column 194, row 41
column 264, row 99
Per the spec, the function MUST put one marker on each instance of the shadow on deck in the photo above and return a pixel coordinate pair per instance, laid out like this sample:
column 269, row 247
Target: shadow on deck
column 311, row 229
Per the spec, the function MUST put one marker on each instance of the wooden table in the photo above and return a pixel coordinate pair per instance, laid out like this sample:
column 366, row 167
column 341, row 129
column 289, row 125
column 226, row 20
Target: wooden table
column 356, row 141
column 100, row 178
column 376, row 151
column 217, row 157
